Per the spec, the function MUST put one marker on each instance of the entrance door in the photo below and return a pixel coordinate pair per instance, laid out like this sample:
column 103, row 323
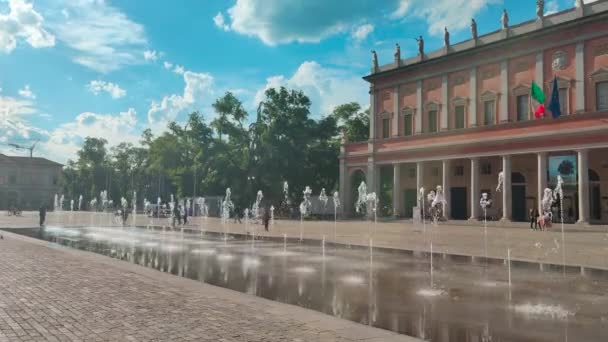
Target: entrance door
column 458, row 199
column 518, row 203
column 595, row 210
column 409, row 202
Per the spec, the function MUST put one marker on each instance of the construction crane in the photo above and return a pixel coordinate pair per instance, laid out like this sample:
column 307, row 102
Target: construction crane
column 19, row 147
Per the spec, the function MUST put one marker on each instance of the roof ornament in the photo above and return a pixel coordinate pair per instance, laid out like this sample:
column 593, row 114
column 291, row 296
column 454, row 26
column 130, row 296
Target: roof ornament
column 397, row 54
column 374, row 61
column 420, row 41
column 504, row 19
column 446, row 37
column 474, row 29
column 540, row 8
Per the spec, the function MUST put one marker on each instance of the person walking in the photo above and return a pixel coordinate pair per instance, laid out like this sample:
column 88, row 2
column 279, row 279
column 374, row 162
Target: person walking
column 237, row 214
column 42, row 214
column 533, row 218
column 266, row 218
column 184, row 213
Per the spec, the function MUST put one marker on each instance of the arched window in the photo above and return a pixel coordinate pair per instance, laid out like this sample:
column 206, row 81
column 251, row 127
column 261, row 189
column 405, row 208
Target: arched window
column 593, row 176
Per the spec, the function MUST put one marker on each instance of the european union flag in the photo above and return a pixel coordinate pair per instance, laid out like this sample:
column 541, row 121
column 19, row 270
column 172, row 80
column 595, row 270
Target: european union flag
column 554, row 106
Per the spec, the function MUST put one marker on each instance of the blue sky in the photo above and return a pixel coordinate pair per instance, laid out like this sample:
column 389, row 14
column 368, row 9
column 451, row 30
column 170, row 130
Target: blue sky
column 76, row 68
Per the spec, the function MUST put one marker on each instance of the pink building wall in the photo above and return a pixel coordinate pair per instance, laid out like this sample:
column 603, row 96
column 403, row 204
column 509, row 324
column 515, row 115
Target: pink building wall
column 596, row 58
column 488, row 79
column 407, row 98
column 431, row 92
column 521, row 72
column 458, row 86
column 569, row 72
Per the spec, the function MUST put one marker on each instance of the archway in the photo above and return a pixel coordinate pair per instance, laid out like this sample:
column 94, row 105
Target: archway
column 356, row 177
column 595, row 206
column 518, row 196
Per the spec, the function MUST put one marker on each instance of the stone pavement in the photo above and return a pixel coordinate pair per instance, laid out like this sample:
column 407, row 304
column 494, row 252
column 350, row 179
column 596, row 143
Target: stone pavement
column 585, row 246
column 50, row 293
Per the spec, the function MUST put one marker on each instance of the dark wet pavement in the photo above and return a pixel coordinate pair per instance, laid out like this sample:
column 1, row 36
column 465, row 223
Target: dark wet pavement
column 390, row 290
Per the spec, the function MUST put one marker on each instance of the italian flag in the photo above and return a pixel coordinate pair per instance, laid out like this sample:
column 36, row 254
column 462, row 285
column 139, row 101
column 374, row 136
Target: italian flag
column 537, row 94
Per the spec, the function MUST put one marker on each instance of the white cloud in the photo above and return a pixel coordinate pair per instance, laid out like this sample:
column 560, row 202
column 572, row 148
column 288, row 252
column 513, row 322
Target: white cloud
column 168, row 65
column 326, row 87
column 442, row 13
column 64, row 141
column 14, row 125
column 115, row 91
column 551, row 7
column 361, row 32
column 179, row 69
column 281, row 22
column 198, row 89
column 23, row 22
column 150, row 55
column 220, row 22
column 103, row 38
column 27, row 92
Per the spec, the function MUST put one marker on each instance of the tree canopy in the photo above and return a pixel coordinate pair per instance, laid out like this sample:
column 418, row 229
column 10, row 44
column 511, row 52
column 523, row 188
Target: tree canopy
column 283, row 143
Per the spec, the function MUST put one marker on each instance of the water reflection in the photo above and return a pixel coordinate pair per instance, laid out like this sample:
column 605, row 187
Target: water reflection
column 466, row 302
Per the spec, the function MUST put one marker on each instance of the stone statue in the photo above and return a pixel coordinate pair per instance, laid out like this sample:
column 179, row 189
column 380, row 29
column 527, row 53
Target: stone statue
column 504, row 19
column 420, row 46
column 374, row 60
column 446, row 37
column 540, row 8
column 397, row 54
column 579, row 3
column 474, row 29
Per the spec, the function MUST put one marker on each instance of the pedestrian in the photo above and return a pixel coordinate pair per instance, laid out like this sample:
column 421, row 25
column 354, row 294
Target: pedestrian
column 184, row 213
column 176, row 216
column 125, row 215
column 42, row 213
column 237, row 214
column 533, row 218
column 266, row 218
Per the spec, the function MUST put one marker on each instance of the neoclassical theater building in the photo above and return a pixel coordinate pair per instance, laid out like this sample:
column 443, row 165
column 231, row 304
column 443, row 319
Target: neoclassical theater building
column 458, row 116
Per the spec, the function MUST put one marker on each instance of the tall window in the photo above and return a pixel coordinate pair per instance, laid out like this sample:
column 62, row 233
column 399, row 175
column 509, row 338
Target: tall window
column 459, row 117
column 407, row 122
column 522, row 107
column 563, row 100
column 488, row 112
column 385, row 128
column 486, row 169
column 459, row 170
column 432, row 121
column 601, row 95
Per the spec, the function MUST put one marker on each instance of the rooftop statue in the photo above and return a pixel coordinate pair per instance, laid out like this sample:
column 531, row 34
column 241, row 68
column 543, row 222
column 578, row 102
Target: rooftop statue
column 474, row 29
column 374, row 60
column 540, row 8
column 420, row 45
column 504, row 19
column 446, row 37
column 397, row 53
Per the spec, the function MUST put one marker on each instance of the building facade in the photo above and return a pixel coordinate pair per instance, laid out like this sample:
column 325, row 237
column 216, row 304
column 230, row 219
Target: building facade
column 458, row 116
column 27, row 183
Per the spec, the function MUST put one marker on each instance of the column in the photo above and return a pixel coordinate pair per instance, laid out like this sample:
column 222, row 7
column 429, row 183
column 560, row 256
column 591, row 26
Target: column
column 580, row 78
column 372, row 114
column 418, row 114
column 506, row 189
column 542, row 178
column 397, row 190
column 444, row 103
column 395, row 128
column 370, row 177
column 474, row 189
column 539, row 69
column 583, row 186
column 473, row 96
column 419, row 175
column 504, row 92
column 343, row 186
column 446, row 188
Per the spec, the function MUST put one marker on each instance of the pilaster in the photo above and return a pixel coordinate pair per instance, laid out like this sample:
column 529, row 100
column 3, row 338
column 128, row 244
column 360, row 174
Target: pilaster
column 444, row 103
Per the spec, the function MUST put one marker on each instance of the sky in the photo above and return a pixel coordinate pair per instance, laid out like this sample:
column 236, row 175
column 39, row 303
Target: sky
column 76, row 68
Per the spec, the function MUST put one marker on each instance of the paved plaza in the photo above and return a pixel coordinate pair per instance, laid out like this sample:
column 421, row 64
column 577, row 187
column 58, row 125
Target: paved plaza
column 50, row 293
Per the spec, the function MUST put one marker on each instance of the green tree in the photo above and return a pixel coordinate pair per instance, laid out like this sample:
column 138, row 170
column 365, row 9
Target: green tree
column 351, row 119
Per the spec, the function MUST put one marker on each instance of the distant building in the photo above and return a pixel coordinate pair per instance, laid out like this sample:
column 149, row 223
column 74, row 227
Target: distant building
column 458, row 116
column 28, row 182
